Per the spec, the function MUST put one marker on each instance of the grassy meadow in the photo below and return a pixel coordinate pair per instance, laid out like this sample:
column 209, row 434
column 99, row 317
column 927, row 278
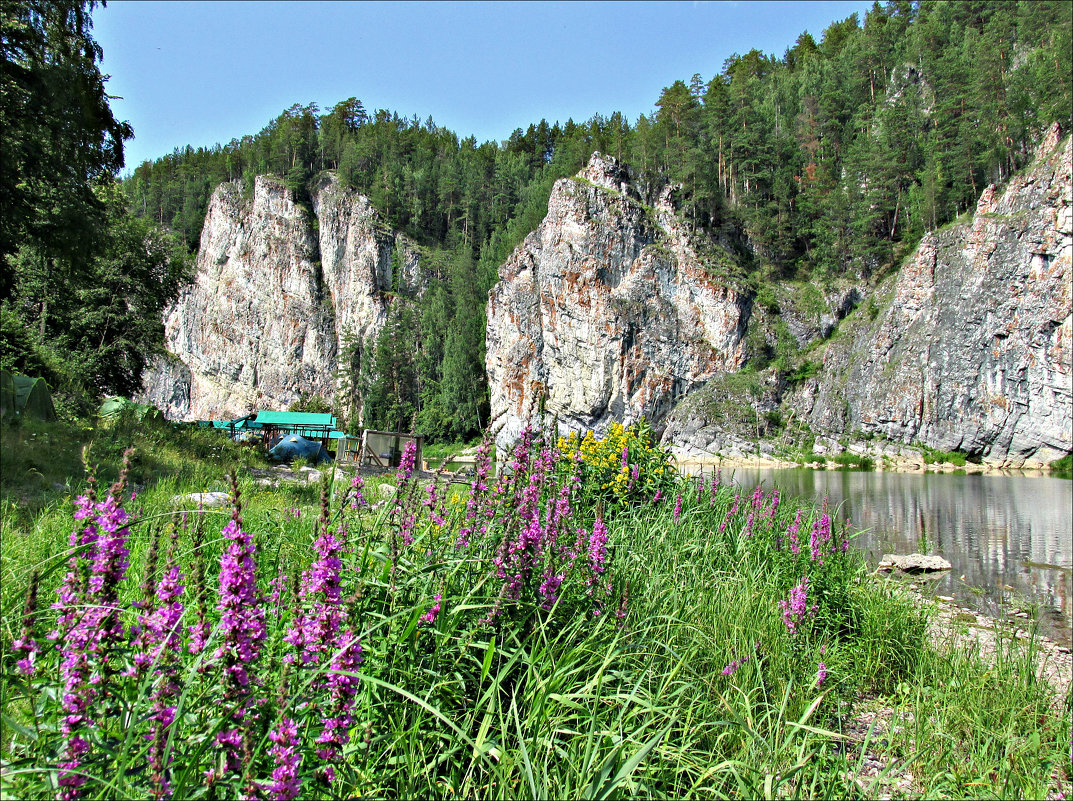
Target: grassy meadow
column 586, row 624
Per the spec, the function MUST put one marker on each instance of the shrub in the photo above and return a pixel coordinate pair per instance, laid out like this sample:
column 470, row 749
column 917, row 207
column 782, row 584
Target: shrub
column 624, row 467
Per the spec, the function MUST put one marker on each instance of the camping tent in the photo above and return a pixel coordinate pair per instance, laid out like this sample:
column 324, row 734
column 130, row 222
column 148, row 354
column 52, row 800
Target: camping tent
column 113, row 406
column 7, row 395
column 31, row 397
column 293, row 447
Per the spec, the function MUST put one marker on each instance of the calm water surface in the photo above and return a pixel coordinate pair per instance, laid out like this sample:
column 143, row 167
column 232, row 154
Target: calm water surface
column 1007, row 537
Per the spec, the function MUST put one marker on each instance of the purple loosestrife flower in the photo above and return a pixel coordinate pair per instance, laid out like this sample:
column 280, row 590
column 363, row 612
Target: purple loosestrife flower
column 287, row 754
column 795, row 543
column 730, row 513
column 598, row 547
column 357, row 489
column 110, row 563
column 549, row 587
column 758, row 496
column 774, row 507
column 734, row 665
column 242, row 623
column 277, row 587
column 404, row 513
column 408, row 460
column 748, row 531
column 821, row 674
column 72, row 590
column 821, row 536
column 658, row 496
column 434, row 505
column 316, row 627
column 242, row 618
column 796, row 609
column 26, row 644
column 342, row 689
column 713, row 488
column 164, row 622
column 559, row 512
column 430, row 616
column 678, row 508
column 164, row 627
column 85, row 636
column 517, row 554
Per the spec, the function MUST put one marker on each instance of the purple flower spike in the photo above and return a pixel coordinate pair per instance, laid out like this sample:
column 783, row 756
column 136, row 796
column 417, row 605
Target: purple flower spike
column 86, row 634
column 357, row 487
column 733, row 667
column 549, row 588
column 26, row 644
column 758, row 496
column 430, row 616
column 774, row 508
column 242, row 622
column 795, row 543
column 821, row 674
column 796, row 609
column 342, row 690
column 598, row 547
column 286, row 752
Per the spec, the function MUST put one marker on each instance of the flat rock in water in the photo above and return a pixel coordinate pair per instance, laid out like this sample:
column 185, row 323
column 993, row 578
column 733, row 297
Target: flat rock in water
column 913, row 563
column 203, row 500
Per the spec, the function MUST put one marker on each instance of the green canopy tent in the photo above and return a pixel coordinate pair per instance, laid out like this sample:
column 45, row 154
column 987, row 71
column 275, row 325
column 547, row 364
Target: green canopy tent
column 32, row 398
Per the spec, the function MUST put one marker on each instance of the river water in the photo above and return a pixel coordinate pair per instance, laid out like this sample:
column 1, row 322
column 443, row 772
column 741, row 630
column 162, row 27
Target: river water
column 1008, row 537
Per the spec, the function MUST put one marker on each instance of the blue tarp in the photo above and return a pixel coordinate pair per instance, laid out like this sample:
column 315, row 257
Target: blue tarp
column 293, row 447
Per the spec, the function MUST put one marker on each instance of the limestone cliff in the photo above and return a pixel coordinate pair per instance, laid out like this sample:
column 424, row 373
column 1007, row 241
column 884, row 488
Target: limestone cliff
column 274, row 299
column 612, row 310
column 973, row 345
column 606, row 312
column 967, row 347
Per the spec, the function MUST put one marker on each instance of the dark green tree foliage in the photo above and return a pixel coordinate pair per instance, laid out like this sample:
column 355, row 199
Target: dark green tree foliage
column 392, row 393
column 84, row 282
column 94, row 331
column 59, row 135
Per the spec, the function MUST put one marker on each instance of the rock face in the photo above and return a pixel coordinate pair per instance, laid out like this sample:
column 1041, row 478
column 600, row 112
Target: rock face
column 275, row 299
column 606, row 312
column 971, row 345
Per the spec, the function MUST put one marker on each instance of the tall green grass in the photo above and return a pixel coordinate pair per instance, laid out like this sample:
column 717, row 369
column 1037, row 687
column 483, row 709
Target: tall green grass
column 557, row 702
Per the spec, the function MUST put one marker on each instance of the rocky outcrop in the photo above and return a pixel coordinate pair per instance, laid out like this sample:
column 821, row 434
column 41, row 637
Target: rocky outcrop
column 971, row 345
column 607, row 312
column 275, row 299
column 166, row 385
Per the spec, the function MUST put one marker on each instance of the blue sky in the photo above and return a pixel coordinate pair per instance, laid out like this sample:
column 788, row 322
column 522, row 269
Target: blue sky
column 200, row 73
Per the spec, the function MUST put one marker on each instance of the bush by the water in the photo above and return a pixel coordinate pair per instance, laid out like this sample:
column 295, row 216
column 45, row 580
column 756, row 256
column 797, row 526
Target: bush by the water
column 548, row 632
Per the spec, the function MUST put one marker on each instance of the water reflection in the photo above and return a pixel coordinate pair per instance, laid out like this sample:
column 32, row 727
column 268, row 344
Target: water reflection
column 1007, row 537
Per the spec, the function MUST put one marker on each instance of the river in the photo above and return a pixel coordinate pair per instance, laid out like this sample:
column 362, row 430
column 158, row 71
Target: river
column 1008, row 537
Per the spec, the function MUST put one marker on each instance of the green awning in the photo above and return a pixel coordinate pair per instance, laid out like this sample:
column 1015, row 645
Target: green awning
column 298, row 419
